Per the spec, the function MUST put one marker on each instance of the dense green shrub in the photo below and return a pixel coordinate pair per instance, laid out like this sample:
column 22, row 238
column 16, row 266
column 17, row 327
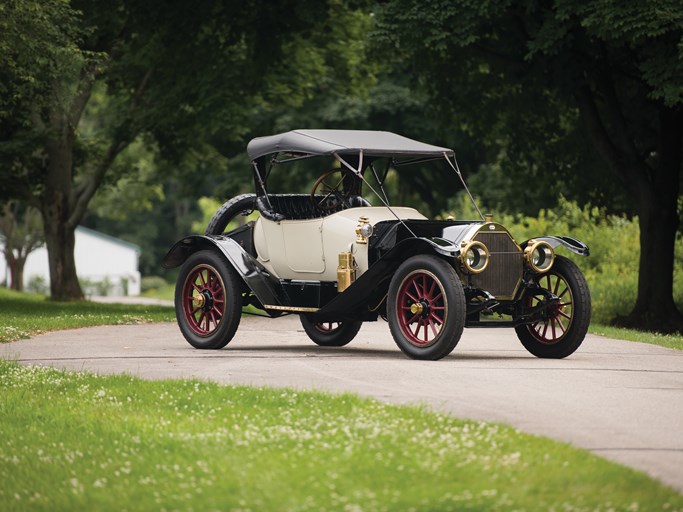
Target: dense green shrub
column 37, row 284
column 151, row 283
column 612, row 267
column 96, row 287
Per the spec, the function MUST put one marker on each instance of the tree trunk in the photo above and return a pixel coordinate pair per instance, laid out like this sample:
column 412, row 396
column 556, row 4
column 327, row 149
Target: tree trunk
column 60, row 241
column 655, row 308
column 17, row 273
column 11, row 265
column 654, row 187
column 56, row 208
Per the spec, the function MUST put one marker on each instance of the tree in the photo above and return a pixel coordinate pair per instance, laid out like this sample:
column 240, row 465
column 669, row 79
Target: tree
column 179, row 73
column 618, row 66
column 21, row 234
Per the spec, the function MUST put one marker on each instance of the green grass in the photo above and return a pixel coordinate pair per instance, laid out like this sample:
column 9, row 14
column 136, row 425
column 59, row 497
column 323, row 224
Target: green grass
column 77, row 441
column 654, row 338
column 166, row 292
column 23, row 315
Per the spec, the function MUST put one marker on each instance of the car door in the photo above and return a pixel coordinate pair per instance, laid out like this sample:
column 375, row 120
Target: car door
column 303, row 246
column 291, row 249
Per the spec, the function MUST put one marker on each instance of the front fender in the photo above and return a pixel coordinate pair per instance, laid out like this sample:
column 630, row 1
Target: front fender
column 266, row 288
column 574, row 245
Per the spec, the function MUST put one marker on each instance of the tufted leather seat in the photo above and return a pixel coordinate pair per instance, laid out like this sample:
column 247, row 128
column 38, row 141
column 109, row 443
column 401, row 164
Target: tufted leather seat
column 299, row 206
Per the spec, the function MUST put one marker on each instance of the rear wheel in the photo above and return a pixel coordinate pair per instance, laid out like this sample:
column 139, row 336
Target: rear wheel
column 426, row 307
column 330, row 334
column 208, row 300
column 242, row 205
column 566, row 324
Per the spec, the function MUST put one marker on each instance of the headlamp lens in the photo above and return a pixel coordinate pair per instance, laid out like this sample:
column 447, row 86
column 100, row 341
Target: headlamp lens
column 474, row 257
column 539, row 256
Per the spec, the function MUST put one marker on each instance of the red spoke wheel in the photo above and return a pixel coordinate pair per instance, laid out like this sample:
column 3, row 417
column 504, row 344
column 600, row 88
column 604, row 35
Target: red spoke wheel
column 330, row 334
column 208, row 300
column 565, row 324
column 426, row 307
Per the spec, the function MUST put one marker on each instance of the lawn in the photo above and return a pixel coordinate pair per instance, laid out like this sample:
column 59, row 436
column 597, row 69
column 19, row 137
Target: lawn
column 654, row 338
column 23, row 314
column 72, row 441
column 77, row 441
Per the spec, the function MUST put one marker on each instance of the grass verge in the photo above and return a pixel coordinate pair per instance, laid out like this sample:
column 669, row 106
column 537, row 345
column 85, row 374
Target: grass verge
column 77, row 441
column 654, row 338
column 165, row 292
column 23, row 315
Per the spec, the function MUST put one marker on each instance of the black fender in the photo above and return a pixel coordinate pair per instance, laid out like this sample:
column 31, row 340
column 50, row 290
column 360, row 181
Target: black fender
column 373, row 284
column 260, row 282
column 574, row 245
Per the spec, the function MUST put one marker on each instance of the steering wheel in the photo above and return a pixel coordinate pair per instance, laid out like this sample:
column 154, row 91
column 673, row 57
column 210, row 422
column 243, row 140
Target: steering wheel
column 331, row 185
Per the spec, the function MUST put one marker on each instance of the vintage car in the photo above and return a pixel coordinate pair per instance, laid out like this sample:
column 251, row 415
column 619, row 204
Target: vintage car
column 337, row 261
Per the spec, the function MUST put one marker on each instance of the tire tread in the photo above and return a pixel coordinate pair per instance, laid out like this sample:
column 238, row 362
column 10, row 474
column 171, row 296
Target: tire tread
column 228, row 211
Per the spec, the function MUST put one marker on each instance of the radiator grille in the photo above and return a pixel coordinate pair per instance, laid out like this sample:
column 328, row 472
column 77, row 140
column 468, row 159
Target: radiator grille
column 504, row 271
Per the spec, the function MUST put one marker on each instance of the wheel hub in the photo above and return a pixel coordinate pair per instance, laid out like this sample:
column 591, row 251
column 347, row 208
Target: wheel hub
column 556, row 308
column 553, row 309
column 420, row 308
column 203, row 300
column 198, row 301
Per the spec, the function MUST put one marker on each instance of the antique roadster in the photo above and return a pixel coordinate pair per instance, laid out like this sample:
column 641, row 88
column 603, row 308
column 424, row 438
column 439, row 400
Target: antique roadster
column 337, row 260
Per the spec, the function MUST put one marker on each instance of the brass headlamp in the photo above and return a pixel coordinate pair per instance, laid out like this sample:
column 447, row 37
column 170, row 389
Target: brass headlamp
column 364, row 230
column 474, row 256
column 539, row 255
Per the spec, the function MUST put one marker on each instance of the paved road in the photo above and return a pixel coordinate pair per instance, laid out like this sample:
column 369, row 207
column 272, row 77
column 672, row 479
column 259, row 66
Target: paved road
column 620, row 400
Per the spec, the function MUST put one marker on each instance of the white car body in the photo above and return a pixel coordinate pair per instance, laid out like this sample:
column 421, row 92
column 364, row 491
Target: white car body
column 309, row 249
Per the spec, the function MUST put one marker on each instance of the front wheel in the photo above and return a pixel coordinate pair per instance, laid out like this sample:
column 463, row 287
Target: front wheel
column 330, row 334
column 426, row 307
column 565, row 326
column 208, row 300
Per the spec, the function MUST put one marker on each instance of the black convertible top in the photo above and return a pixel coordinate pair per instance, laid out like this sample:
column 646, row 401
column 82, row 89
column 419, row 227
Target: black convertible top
column 327, row 142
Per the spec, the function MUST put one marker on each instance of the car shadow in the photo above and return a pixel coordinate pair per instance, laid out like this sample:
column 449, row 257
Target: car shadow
column 393, row 354
column 317, row 351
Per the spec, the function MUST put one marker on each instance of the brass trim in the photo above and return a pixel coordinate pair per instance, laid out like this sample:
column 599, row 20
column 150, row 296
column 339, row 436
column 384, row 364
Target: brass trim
column 529, row 255
column 198, row 300
column 360, row 238
column 465, row 246
column 346, row 271
column 416, row 308
column 294, row 309
column 500, row 229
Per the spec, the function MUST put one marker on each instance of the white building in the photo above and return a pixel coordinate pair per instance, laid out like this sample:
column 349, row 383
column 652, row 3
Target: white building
column 105, row 265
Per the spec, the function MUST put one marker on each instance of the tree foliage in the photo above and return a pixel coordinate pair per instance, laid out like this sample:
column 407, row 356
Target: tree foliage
column 535, row 73
column 101, row 75
column 20, row 234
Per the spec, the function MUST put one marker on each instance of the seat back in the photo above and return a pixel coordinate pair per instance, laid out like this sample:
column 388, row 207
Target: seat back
column 300, row 206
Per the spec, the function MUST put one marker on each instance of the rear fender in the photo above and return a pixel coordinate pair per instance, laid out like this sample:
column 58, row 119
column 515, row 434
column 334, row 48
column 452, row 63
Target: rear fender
column 257, row 278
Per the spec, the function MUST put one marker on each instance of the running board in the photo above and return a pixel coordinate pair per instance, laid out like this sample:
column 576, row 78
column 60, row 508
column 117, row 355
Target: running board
column 291, row 309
